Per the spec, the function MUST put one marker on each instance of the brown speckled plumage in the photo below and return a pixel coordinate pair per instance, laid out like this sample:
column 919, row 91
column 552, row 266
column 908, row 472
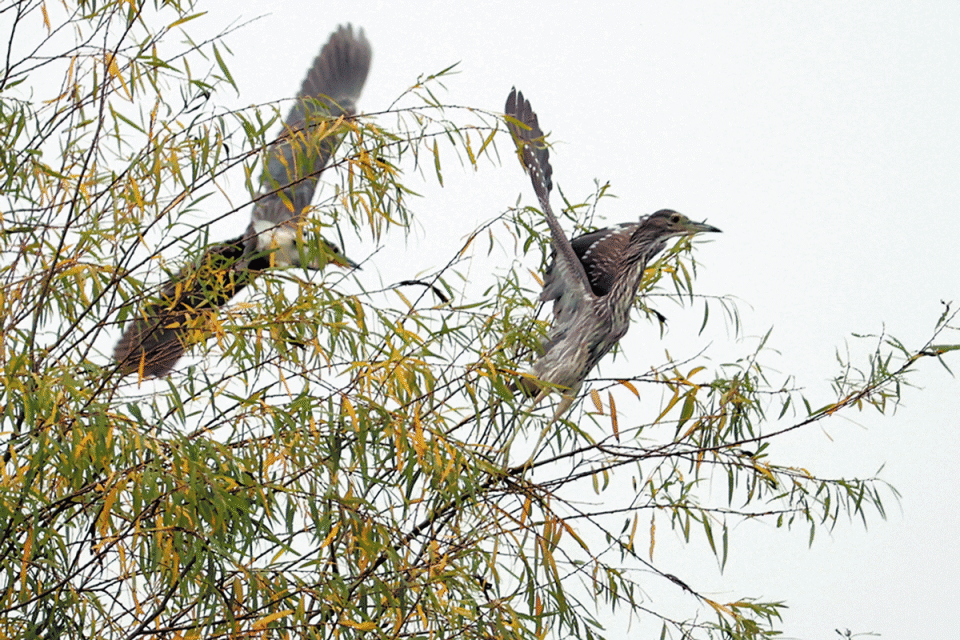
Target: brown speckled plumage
column 593, row 279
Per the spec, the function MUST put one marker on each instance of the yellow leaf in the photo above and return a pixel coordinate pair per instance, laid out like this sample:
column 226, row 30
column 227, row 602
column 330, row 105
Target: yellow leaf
column 263, row 622
column 549, row 560
column 104, row 520
column 536, row 277
column 694, row 372
column 419, row 444
column 596, row 401
column 84, row 441
column 359, row 626
column 493, row 369
column 629, row 385
column 27, row 554
column 137, row 196
column 46, row 18
column 330, row 536
column 613, row 417
column 633, row 530
column 177, row 23
column 466, row 245
column 691, row 430
column 569, row 529
column 719, row 608
column 670, row 405
column 346, row 405
column 469, row 148
column 114, row 70
column 765, row 471
column 653, row 533
column 405, row 300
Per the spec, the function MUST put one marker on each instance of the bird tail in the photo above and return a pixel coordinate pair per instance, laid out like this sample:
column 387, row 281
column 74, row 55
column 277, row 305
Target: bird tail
column 154, row 341
column 528, row 136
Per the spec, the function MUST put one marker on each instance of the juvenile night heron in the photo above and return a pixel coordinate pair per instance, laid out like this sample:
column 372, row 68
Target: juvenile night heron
column 593, row 279
column 155, row 340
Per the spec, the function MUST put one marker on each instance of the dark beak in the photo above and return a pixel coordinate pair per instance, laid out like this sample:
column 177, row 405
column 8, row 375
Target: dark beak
column 344, row 262
column 702, row 227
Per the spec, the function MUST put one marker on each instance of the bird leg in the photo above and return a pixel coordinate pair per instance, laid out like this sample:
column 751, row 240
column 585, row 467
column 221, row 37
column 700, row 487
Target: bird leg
column 566, row 400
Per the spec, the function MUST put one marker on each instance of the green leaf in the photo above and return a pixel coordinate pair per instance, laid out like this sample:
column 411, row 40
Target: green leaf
column 224, row 69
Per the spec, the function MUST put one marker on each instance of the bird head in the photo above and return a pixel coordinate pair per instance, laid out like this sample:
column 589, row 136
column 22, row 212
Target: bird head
column 667, row 223
column 335, row 256
column 290, row 246
column 651, row 235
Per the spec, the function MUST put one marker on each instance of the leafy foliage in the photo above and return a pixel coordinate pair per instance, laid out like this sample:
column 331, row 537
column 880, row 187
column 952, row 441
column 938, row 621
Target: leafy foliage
column 356, row 462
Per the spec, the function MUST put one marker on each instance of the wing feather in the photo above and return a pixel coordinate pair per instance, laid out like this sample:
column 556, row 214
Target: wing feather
column 568, row 275
column 331, row 89
column 154, row 340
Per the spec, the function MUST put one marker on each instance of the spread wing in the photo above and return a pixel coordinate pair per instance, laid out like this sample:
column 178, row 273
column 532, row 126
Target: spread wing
column 331, row 89
column 597, row 252
column 567, row 281
column 155, row 340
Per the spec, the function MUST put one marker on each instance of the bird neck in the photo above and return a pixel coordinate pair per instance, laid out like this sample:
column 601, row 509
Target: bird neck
column 645, row 244
column 624, row 290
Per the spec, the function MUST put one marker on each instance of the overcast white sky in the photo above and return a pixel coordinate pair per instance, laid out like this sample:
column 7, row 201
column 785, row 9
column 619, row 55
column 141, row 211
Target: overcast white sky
column 822, row 137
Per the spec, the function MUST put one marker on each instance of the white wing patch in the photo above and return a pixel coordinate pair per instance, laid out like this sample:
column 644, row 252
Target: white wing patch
column 281, row 238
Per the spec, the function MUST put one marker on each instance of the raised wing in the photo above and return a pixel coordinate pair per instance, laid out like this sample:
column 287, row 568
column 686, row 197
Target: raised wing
column 154, row 340
column 567, row 281
column 330, row 90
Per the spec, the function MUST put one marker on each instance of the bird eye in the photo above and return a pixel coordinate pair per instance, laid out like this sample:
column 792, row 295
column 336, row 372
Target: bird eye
column 675, row 218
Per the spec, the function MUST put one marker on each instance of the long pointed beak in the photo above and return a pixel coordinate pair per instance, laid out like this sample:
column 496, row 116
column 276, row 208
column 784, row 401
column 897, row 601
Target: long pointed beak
column 702, row 227
column 344, row 262
column 336, row 257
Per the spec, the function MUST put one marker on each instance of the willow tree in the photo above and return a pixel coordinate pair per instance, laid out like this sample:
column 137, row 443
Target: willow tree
column 334, row 462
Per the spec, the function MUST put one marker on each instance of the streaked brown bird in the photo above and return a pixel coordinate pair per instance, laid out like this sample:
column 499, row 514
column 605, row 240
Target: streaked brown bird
column 155, row 340
column 593, row 279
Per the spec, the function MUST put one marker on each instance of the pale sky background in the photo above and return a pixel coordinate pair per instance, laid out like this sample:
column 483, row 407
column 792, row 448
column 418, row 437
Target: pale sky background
column 822, row 137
